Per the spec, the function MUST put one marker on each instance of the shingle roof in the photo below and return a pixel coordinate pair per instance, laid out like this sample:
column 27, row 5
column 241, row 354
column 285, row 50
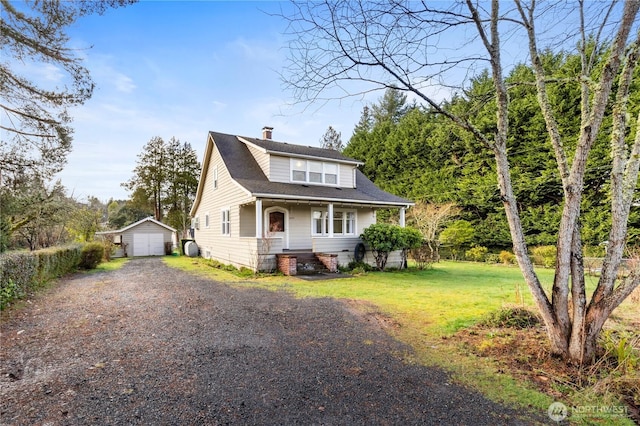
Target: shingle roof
column 133, row 225
column 299, row 150
column 244, row 169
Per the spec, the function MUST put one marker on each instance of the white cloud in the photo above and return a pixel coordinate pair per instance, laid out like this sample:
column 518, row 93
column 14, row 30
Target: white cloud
column 256, row 50
column 123, row 83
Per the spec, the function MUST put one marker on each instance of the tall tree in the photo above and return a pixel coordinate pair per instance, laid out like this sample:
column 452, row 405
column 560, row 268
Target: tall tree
column 381, row 42
column 36, row 131
column 150, row 174
column 165, row 179
column 332, row 139
column 182, row 183
column 391, row 107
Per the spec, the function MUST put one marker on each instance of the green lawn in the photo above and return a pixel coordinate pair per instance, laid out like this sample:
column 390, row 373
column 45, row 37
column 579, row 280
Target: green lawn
column 429, row 307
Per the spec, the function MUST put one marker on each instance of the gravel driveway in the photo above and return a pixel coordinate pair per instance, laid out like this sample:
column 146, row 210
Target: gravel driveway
column 152, row 345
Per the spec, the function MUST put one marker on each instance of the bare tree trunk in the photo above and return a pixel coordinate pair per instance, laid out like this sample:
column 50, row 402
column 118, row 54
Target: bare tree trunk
column 573, row 334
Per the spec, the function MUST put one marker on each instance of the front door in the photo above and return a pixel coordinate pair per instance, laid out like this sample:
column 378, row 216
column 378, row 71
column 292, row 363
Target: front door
column 276, row 221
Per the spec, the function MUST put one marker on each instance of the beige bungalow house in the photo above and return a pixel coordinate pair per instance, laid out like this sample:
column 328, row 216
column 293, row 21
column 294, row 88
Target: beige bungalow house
column 262, row 204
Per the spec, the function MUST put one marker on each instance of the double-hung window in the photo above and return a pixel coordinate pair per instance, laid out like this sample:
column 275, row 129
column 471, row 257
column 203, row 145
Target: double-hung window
column 225, row 222
column 298, row 170
column 315, row 172
column 331, row 173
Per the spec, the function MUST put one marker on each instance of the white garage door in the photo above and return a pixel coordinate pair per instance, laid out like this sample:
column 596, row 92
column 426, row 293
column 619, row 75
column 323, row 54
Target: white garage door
column 148, row 245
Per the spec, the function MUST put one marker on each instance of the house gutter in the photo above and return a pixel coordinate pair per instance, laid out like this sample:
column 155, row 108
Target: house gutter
column 333, row 200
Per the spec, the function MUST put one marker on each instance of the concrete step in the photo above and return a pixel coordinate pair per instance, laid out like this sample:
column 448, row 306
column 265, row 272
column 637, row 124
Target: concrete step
column 309, row 264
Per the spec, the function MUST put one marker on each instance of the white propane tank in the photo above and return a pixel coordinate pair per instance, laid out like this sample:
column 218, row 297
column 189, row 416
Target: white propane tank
column 191, row 249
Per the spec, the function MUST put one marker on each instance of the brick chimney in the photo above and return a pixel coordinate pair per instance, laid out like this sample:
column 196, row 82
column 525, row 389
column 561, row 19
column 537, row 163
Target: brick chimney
column 267, row 132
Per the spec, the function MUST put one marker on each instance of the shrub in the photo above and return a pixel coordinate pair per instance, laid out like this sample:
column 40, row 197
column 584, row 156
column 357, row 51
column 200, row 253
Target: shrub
column 424, row 256
column 8, row 292
column 457, row 235
column 476, row 254
column 109, row 247
column 492, row 258
column 92, row 254
column 507, row 257
column 620, row 347
column 355, row 267
column 512, row 317
column 383, row 238
column 410, row 238
column 22, row 272
column 544, row 256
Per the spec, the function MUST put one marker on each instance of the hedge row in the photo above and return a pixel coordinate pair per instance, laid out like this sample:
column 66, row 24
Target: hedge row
column 23, row 272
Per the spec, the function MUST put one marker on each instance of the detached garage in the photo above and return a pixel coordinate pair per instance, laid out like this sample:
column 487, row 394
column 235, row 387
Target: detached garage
column 146, row 237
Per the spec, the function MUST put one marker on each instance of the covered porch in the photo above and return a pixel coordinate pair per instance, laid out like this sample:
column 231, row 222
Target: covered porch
column 292, row 229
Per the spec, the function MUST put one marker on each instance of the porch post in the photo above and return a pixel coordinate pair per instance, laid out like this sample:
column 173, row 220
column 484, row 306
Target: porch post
column 402, row 214
column 330, row 219
column 258, row 218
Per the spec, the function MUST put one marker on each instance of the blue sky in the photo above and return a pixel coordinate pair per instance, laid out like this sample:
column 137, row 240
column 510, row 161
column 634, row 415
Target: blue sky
column 180, row 69
column 183, row 68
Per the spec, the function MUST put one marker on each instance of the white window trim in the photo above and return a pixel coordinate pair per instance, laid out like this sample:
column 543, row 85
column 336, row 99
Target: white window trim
column 207, row 220
column 323, row 217
column 337, row 233
column 228, row 222
column 215, row 177
column 307, row 171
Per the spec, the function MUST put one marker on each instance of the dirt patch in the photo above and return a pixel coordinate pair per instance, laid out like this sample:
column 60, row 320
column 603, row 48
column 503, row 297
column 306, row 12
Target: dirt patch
column 152, row 345
column 524, row 355
column 370, row 313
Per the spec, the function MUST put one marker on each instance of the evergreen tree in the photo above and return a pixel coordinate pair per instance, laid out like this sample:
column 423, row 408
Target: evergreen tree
column 37, row 119
column 150, row 175
column 391, row 107
column 165, row 181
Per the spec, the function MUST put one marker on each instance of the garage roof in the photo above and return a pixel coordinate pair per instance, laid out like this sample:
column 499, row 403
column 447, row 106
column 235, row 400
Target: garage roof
column 133, row 225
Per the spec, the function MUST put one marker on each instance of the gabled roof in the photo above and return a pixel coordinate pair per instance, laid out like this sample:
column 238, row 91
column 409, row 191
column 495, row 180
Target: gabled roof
column 133, row 225
column 246, row 172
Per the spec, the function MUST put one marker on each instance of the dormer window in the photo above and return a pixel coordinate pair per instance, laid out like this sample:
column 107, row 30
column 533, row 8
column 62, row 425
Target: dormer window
column 298, row 170
column 315, row 172
column 331, row 173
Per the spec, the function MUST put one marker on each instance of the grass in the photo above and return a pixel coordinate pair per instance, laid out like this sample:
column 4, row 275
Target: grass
column 112, row 265
column 430, row 309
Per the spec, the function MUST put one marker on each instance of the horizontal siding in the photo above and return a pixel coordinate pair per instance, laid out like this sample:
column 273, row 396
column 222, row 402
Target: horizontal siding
column 227, row 195
column 346, row 176
column 244, row 252
column 262, row 158
column 364, row 219
column 345, row 249
column 248, row 221
column 299, row 228
column 280, row 169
